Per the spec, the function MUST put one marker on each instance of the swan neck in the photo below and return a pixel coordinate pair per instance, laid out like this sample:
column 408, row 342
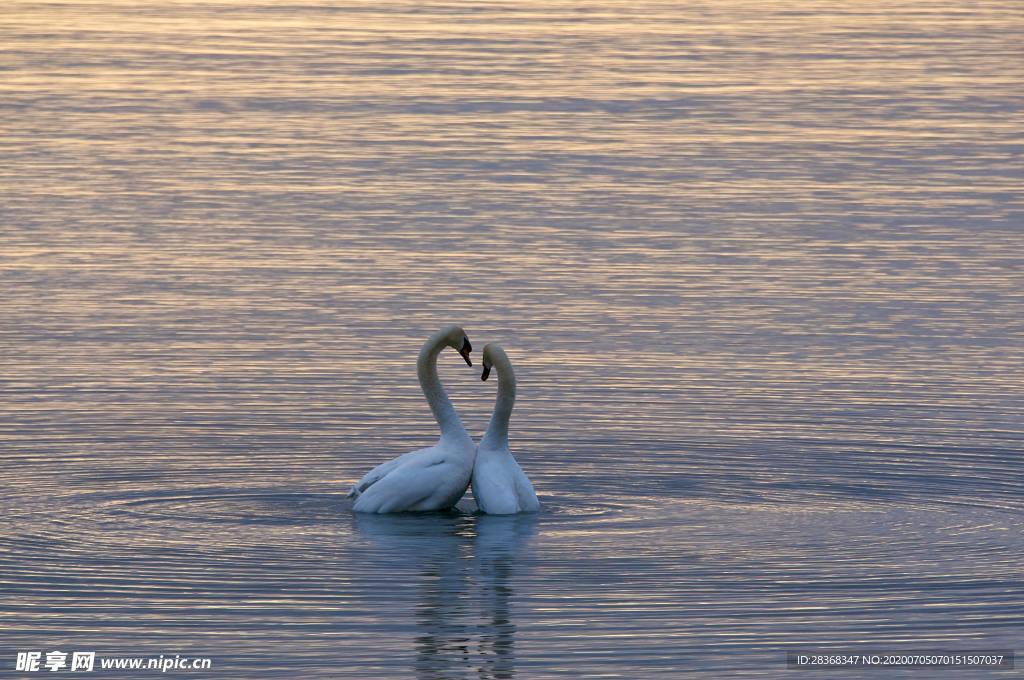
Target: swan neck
column 441, row 406
column 497, row 429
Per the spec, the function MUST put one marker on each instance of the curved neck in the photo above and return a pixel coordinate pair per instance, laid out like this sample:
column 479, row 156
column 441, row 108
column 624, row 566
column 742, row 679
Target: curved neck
column 497, row 429
column 426, row 368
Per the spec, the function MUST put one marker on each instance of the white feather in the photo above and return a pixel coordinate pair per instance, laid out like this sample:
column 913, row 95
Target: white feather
column 433, row 478
column 500, row 486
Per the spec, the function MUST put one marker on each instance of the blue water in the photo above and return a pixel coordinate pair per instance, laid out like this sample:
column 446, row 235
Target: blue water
column 759, row 267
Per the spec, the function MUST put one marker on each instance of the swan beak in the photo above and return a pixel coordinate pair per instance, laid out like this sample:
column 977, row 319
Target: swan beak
column 487, row 372
column 466, row 349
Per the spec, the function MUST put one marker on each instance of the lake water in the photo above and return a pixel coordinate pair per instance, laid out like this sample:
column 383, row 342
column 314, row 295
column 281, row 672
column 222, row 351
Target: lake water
column 759, row 267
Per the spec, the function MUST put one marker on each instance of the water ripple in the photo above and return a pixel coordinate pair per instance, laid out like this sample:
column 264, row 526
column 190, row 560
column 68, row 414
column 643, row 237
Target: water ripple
column 758, row 266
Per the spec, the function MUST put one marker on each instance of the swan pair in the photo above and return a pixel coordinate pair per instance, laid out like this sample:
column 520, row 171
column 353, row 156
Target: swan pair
column 435, row 478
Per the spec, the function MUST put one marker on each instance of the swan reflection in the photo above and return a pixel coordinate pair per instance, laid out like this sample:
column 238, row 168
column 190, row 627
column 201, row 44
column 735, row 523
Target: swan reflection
column 463, row 568
column 499, row 547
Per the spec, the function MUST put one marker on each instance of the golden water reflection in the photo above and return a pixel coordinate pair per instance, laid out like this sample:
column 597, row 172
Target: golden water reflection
column 758, row 267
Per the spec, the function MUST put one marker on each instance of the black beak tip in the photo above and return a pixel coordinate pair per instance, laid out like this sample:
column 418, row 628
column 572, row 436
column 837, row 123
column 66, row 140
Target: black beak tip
column 487, row 372
column 469, row 362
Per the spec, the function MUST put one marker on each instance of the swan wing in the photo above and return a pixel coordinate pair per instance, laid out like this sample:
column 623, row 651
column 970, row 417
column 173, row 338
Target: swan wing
column 380, row 472
column 524, row 491
column 501, row 487
column 493, row 487
column 423, row 483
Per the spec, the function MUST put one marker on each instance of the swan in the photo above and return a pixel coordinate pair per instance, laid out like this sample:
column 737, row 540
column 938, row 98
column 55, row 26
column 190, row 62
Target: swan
column 499, row 485
column 433, row 478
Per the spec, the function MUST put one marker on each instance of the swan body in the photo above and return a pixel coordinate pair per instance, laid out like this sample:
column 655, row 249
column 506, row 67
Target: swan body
column 499, row 485
column 434, row 478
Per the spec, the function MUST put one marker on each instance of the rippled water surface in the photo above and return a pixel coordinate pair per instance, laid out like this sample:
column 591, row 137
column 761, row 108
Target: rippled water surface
column 759, row 266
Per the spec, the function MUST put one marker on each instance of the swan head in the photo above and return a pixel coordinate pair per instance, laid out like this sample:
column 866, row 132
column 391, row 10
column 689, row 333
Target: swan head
column 457, row 339
column 491, row 352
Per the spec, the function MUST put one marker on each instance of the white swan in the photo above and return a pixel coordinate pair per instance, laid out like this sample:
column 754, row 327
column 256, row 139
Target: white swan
column 434, row 478
column 499, row 485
